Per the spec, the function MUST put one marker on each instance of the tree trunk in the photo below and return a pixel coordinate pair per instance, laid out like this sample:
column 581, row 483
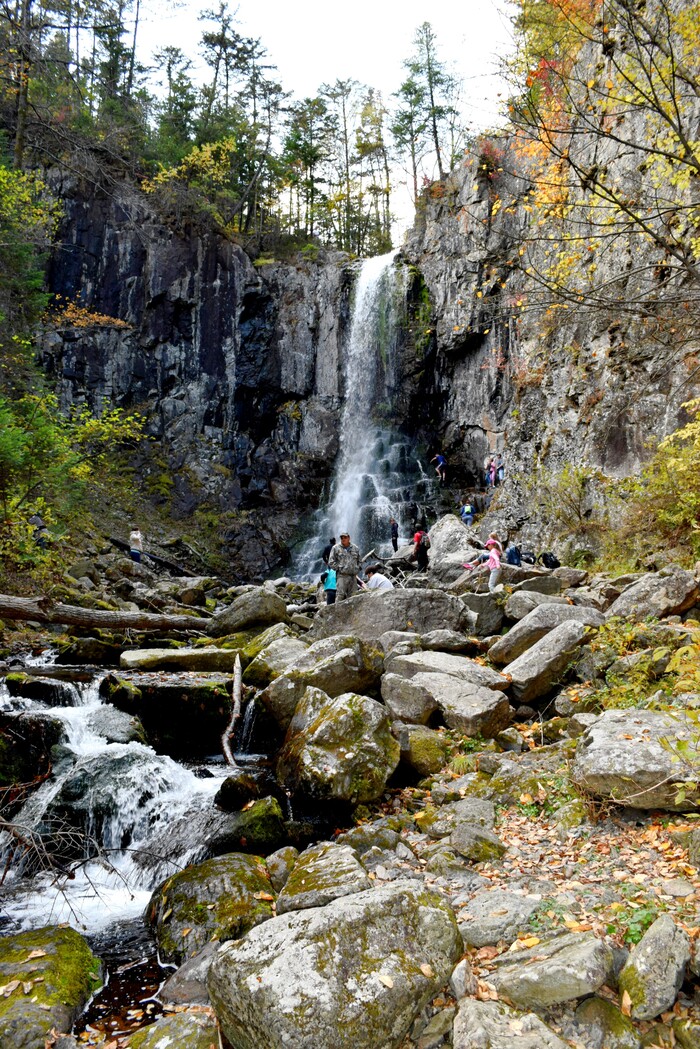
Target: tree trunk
column 44, row 610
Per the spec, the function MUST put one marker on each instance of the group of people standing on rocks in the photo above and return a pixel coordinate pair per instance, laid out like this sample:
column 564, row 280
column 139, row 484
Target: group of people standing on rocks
column 341, row 579
column 494, row 470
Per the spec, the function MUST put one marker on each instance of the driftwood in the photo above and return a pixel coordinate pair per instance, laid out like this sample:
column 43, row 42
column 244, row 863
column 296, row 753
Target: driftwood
column 235, row 712
column 44, row 610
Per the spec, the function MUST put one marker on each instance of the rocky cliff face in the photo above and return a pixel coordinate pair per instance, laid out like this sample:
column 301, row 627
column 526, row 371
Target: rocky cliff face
column 238, row 368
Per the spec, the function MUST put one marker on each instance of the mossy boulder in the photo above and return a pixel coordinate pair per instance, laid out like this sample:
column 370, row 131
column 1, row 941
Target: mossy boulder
column 322, row 873
column 259, row 828
column 352, row 975
column 338, row 749
column 555, row 971
column 602, row 1023
column 263, row 639
column 219, row 899
column 655, row 969
column 51, row 691
column 422, row 749
column 236, row 791
column 273, row 660
column 47, row 977
column 182, row 1031
column 476, row 843
column 25, row 746
column 209, row 659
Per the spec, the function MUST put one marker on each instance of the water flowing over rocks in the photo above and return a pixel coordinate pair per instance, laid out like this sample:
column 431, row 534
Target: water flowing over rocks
column 353, row 974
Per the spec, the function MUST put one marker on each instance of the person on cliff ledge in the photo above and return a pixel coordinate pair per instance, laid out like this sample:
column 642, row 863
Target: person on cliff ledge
column 135, row 544
column 345, row 560
column 394, row 534
column 440, row 466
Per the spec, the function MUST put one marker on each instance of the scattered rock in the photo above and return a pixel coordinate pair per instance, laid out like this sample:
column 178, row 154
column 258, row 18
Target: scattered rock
column 492, row 917
column 188, row 986
column 322, row 873
column 603, row 1026
column 422, row 749
column 664, row 593
column 398, row 609
column 535, row 625
column 555, row 971
column 181, row 1031
column 459, row 667
column 259, row 606
column 655, row 969
column 494, row 1025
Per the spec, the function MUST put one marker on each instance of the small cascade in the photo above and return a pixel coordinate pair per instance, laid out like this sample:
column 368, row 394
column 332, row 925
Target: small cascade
column 245, row 736
column 377, row 475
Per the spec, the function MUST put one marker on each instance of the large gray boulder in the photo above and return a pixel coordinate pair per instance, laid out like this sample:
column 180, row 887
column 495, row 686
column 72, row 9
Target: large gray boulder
column 555, row 971
column 335, row 665
column 540, row 621
column 47, row 976
column 494, row 1025
column 470, row 709
column 273, row 660
column 522, row 602
column 368, row 616
column 338, row 748
column 407, row 700
column 537, row 671
column 494, row 916
column 460, row 667
column 664, row 593
column 655, row 969
column 352, row 975
column 451, row 544
column 221, row 898
column 322, row 873
column 258, row 607
column 181, row 1031
column 487, row 612
column 628, row 756
column 204, row 659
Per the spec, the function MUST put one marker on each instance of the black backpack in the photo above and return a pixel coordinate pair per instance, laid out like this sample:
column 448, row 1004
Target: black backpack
column 527, row 557
column 513, row 556
column 549, row 560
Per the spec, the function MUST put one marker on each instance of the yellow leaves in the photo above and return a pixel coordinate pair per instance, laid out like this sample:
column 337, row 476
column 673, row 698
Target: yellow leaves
column 263, row 896
column 626, row 1004
column 386, row 980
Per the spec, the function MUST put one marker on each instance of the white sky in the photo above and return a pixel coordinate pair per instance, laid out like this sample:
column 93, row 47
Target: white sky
column 313, row 42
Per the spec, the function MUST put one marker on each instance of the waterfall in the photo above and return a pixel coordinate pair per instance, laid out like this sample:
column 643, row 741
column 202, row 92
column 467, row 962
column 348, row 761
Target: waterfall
column 377, row 474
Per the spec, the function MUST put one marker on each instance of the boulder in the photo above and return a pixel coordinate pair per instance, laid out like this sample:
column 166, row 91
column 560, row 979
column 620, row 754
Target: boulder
column 280, row 865
column 627, row 756
column 451, row 544
column 188, row 984
column 475, row 812
column 540, row 584
column 476, row 843
column 459, row 667
column 47, row 977
column 407, row 701
column 181, row 1031
column 334, row 665
column 200, row 659
column 116, row 725
column 422, row 749
column 603, row 1026
column 259, row 827
column 370, row 616
column 494, row 1025
column 555, row 971
column 406, row 639
column 537, row 671
column 655, row 969
column 273, row 661
column 488, row 613
column 571, row 577
column 351, row 975
column 25, row 745
column 535, row 625
column 221, row 898
column 259, row 606
column 492, row 917
column 339, row 749
column 470, row 709
column 519, row 604
column 448, row 641
column 320, row 874
column 50, row 691
column 664, row 593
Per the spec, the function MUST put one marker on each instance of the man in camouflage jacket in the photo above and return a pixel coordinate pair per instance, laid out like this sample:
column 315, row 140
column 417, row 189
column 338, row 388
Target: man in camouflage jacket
column 345, row 559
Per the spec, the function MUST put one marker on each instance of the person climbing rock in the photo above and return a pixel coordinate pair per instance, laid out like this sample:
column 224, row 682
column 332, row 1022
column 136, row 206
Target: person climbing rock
column 328, row 578
column 494, row 562
column 376, row 580
column 466, row 512
column 345, row 560
column 421, row 545
column 394, row 534
column 327, row 550
column 135, row 544
column 440, row 466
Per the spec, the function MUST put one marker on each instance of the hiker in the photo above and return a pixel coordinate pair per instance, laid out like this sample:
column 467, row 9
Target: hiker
column 466, row 512
column 327, row 550
column 41, row 532
column 328, row 578
column 135, row 544
column 492, row 559
column 345, row 559
column 376, row 580
column 421, row 545
column 394, row 534
column 440, row 466
column 500, row 469
column 493, row 538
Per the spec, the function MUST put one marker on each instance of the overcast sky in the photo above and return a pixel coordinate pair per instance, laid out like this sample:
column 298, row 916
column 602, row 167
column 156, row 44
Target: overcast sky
column 313, row 42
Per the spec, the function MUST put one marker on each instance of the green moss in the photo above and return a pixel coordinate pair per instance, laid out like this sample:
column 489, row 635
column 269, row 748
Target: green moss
column 70, row 971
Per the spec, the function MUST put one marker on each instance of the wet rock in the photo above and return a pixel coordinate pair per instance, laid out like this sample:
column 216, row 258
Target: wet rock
column 370, row 616
column 280, row 865
column 322, row 873
column 52, row 692
column 188, row 986
column 47, row 976
column 488, row 612
column 25, row 745
column 494, row 1025
column 537, row 671
column 424, row 750
column 664, row 593
column 655, row 969
column 459, row 667
column 492, row 917
column 535, row 625
column 116, row 725
column 258, row 828
column 182, row 1031
column 82, row 651
column 273, row 661
column 351, row 975
column 221, row 898
column 257, row 607
column 555, row 971
column 236, row 791
column 199, row 660
column 338, row 748
column 604, row 1027
column 624, row 757
column 476, row 843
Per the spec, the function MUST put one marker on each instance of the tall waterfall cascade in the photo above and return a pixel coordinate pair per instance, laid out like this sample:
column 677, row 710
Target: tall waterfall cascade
column 378, row 474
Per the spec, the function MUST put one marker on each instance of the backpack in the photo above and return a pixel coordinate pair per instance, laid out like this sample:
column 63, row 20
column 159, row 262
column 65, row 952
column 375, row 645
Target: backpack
column 549, row 560
column 513, row 556
column 528, row 557
column 425, row 541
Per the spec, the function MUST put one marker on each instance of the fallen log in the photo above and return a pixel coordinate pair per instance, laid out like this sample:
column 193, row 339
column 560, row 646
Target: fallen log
column 44, row 610
column 235, row 713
